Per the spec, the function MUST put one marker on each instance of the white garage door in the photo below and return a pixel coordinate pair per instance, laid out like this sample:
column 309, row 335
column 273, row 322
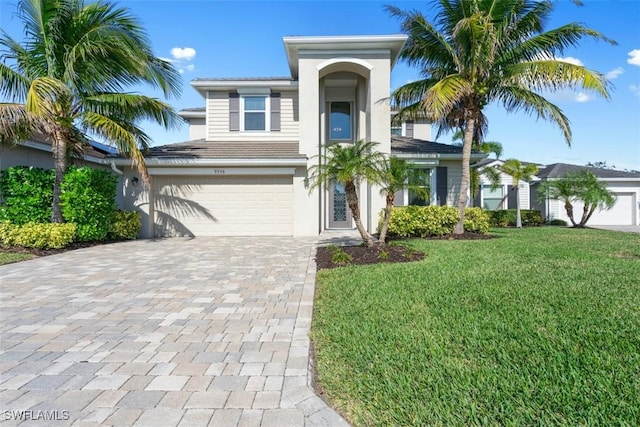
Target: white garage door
column 622, row 212
column 223, row 205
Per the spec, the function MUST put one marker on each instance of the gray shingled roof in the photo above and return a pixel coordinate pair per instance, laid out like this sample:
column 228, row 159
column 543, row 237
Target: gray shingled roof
column 201, row 149
column 195, row 109
column 557, row 170
column 406, row 145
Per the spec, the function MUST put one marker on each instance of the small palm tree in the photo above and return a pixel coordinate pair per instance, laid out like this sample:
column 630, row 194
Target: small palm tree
column 398, row 175
column 67, row 81
column 519, row 172
column 563, row 189
column 349, row 164
column 583, row 186
column 476, row 52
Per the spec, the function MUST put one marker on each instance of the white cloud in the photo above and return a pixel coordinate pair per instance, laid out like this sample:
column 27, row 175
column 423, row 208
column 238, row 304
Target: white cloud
column 634, row 57
column 190, row 67
column 635, row 90
column 583, row 97
column 615, row 73
column 183, row 53
column 571, row 60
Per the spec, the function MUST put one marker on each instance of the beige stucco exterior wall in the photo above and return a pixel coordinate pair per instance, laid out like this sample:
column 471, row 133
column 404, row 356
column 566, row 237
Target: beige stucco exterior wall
column 197, row 129
column 137, row 198
column 422, row 130
column 373, row 118
column 20, row 155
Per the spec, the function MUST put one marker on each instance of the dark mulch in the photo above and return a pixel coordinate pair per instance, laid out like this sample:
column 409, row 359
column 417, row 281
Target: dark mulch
column 361, row 255
column 45, row 252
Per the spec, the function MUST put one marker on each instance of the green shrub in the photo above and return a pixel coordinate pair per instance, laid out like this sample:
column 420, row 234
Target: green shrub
column 35, row 235
column 476, row 220
column 507, row 218
column 422, row 221
column 126, row 226
column 559, row 222
column 88, row 200
column 339, row 256
column 26, row 194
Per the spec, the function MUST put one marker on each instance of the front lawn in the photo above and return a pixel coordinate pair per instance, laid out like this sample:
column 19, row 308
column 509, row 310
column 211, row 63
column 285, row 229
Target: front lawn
column 9, row 257
column 539, row 326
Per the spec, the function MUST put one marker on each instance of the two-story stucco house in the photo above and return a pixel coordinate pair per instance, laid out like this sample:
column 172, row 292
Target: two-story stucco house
column 245, row 169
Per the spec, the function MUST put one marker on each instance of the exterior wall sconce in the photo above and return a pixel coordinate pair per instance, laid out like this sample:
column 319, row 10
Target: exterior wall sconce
column 134, row 181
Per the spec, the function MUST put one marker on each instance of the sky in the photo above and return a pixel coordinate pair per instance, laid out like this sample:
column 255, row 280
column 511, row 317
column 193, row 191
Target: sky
column 211, row 38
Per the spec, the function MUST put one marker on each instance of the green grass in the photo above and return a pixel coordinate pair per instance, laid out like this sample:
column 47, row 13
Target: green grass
column 539, row 326
column 9, row 257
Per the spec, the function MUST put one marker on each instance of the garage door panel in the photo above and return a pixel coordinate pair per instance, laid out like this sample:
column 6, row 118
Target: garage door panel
column 223, row 206
column 622, row 212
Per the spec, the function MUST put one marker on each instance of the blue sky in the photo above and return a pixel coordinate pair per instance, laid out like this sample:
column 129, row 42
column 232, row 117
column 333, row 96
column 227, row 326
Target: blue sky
column 244, row 39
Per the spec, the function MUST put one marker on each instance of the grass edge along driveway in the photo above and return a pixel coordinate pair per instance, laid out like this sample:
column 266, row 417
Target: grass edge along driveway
column 539, row 326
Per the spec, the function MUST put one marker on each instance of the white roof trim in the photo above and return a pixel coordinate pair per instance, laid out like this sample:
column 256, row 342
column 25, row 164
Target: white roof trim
column 340, row 60
column 46, row 147
column 192, row 114
column 202, row 85
column 190, row 163
column 220, row 171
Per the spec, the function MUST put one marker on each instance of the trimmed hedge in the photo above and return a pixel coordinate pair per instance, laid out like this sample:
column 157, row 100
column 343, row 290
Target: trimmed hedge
column 507, row 218
column 88, row 199
column 558, row 222
column 126, row 226
column 476, row 220
column 34, row 235
column 424, row 221
column 26, row 195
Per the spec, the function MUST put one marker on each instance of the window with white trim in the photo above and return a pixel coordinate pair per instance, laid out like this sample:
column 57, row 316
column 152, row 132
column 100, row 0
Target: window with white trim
column 340, row 121
column 416, row 199
column 491, row 197
column 254, row 113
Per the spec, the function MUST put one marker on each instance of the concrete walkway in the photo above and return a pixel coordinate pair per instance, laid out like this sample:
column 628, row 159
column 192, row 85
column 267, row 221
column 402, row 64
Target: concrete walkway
column 207, row 331
column 623, row 228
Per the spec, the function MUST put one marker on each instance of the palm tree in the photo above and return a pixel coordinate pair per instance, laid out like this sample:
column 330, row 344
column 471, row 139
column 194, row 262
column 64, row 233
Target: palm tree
column 487, row 147
column 519, row 172
column 66, row 82
column 563, row 189
column 476, row 52
column 398, row 175
column 594, row 194
column 583, row 186
column 349, row 164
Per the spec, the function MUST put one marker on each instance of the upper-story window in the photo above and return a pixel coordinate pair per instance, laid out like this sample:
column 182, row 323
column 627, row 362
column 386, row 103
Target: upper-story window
column 340, row 121
column 255, row 110
column 254, row 113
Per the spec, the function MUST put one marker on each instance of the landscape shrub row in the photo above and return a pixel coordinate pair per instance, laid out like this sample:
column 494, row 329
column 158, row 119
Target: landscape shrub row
column 507, row 218
column 37, row 235
column 424, row 221
column 87, row 201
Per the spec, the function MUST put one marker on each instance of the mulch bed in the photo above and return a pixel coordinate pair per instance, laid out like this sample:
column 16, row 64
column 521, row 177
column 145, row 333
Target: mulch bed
column 362, row 255
column 45, row 252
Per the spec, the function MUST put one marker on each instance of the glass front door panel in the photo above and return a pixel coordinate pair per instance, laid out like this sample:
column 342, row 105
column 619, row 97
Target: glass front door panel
column 339, row 215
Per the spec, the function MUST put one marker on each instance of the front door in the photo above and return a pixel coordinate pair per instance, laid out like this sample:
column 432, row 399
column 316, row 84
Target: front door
column 339, row 213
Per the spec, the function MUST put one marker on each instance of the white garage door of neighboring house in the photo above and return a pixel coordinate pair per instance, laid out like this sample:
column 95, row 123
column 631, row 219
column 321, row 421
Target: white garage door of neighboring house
column 622, row 213
column 223, row 205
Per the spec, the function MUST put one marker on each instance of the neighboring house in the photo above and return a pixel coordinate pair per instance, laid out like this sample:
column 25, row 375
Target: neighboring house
column 245, row 169
column 625, row 185
column 490, row 198
column 37, row 153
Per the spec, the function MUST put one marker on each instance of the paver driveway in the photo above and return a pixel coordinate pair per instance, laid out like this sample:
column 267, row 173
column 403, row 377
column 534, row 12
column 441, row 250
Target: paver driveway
column 206, row 331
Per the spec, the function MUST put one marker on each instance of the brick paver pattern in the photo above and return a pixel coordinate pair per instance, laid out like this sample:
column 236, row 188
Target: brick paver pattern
column 193, row 332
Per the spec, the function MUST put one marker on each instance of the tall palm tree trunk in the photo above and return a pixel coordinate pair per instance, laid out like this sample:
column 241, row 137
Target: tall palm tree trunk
column 464, row 185
column 60, row 165
column 518, row 214
column 352, row 201
column 387, row 217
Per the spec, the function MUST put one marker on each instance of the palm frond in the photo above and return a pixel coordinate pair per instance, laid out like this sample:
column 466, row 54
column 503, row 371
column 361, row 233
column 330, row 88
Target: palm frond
column 516, row 98
column 43, row 95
